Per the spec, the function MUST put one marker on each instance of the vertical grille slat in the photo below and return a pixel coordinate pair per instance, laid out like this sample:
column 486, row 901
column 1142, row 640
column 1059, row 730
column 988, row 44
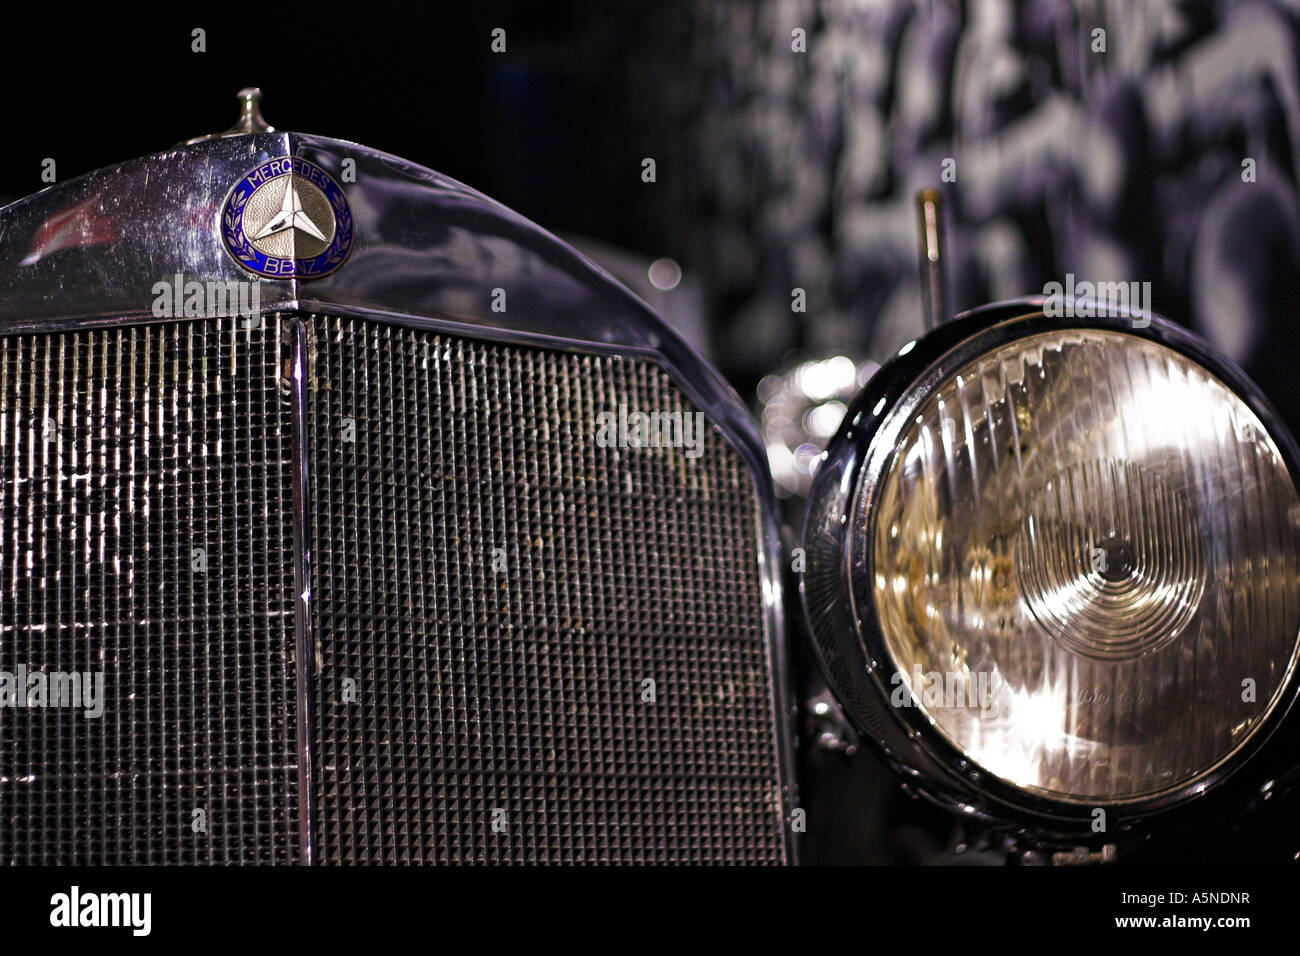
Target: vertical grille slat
column 165, row 437
column 519, row 690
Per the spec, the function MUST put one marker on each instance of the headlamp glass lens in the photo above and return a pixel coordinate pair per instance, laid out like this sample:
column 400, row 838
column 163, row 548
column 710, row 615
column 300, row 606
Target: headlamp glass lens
column 1086, row 561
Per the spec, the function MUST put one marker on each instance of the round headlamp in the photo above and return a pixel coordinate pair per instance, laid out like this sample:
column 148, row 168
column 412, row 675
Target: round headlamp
column 1054, row 565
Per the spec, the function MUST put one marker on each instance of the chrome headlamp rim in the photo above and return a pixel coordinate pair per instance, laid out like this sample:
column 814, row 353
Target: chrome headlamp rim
column 847, row 634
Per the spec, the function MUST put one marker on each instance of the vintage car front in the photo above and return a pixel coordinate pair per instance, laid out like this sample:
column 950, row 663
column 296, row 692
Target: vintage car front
column 348, row 516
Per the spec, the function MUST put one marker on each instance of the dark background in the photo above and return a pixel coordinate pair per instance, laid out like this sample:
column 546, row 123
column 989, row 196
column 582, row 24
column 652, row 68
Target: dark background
column 775, row 170
column 546, row 128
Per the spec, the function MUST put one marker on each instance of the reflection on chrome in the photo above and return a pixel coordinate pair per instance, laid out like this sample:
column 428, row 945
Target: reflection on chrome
column 802, row 406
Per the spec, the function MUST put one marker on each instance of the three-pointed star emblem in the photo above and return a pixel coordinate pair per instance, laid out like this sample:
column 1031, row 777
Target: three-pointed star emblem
column 291, row 216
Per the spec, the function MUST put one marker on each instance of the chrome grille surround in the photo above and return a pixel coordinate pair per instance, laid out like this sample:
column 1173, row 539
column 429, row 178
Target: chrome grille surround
column 429, row 256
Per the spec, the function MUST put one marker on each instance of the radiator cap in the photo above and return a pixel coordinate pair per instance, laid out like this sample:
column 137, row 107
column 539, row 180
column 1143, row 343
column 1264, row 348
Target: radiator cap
column 250, row 117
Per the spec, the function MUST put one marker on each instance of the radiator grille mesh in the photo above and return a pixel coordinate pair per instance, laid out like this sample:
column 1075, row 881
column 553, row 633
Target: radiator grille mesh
column 496, row 587
column 121, row 452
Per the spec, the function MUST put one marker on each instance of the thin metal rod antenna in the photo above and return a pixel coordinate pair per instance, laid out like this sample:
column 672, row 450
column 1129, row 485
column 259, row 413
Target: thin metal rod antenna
column 929, row 220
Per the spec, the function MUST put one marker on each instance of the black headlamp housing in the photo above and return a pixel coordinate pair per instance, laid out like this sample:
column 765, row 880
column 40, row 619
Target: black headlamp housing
column 839, row 607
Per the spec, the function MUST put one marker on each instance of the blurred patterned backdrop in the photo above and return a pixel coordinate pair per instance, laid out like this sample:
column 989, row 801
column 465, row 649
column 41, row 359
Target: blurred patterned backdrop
column 797, row 170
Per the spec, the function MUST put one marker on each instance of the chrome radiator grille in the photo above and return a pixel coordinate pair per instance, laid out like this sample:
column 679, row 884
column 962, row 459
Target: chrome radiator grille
column 146, row 535
column 498, row 588
column 491, row 592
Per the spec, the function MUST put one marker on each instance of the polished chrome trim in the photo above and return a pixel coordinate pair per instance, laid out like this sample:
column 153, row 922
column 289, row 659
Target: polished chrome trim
column 840, row 607
column 933, row 257
column 428, row 251
column 304, row 640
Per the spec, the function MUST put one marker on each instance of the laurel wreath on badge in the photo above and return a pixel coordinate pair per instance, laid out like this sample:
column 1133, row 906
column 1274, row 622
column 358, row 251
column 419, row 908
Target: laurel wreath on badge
column 342, row 240
column 243, row 250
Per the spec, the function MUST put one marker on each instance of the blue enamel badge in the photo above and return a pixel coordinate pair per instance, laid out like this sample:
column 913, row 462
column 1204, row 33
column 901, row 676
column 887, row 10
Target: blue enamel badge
column 287, row 219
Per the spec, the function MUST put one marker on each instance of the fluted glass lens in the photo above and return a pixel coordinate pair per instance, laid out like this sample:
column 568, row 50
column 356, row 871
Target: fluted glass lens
column 1086, row 565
